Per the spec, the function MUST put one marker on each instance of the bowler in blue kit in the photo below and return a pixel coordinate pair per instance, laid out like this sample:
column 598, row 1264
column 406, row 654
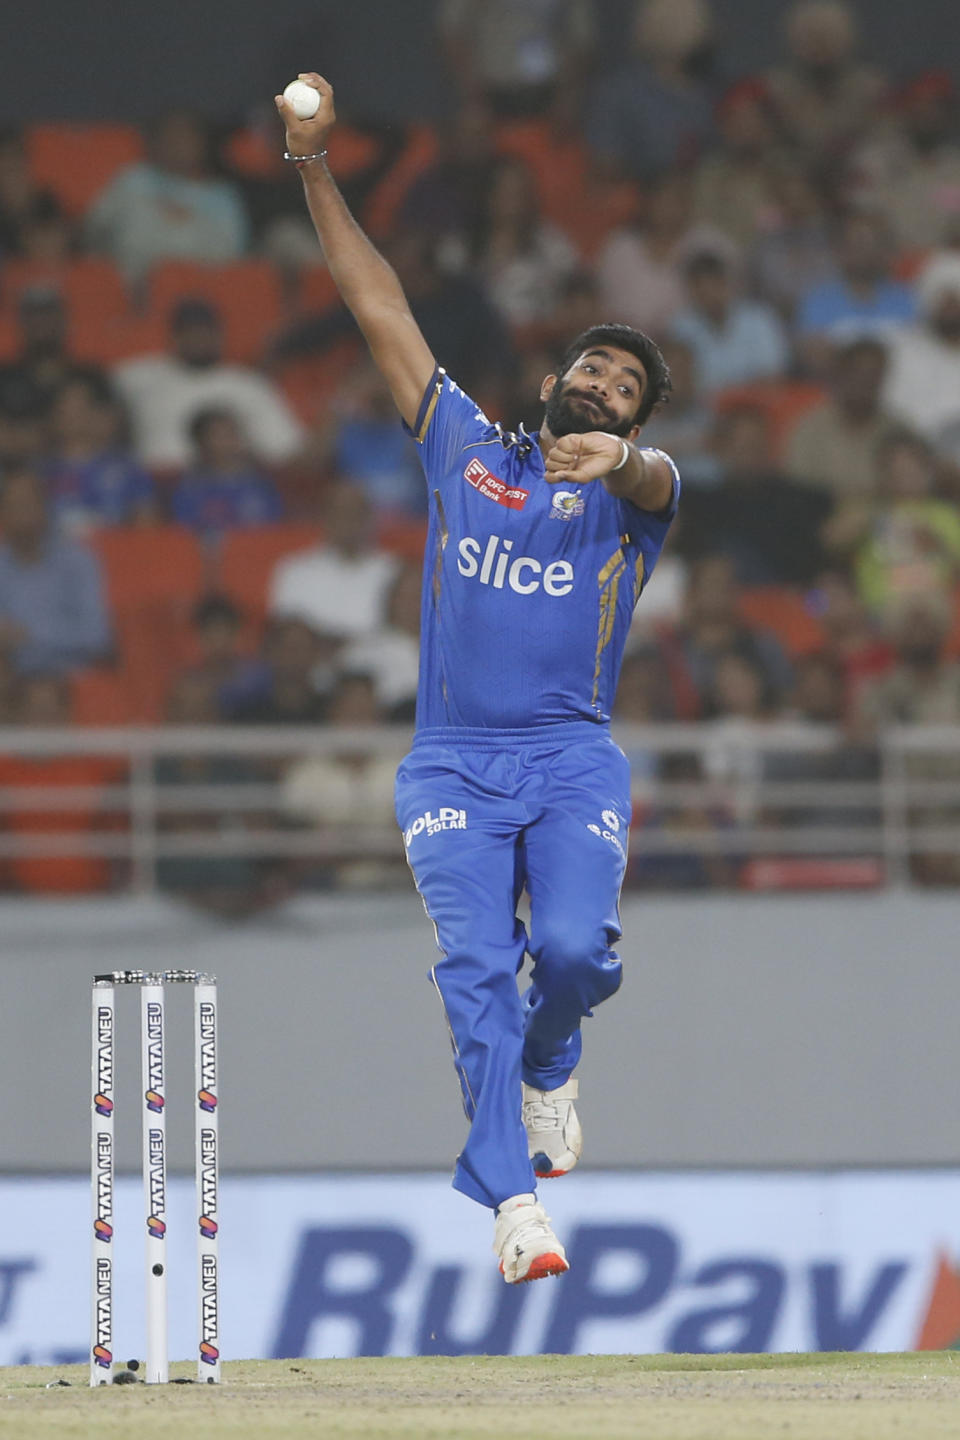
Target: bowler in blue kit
column 539, row 546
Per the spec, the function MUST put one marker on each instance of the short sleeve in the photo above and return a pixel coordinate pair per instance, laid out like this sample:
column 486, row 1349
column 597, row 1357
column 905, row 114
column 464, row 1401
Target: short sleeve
column 647, row 528
column 447, row 421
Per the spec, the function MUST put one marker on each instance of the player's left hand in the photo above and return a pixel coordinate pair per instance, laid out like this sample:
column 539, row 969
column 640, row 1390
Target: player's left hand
column 576, row 459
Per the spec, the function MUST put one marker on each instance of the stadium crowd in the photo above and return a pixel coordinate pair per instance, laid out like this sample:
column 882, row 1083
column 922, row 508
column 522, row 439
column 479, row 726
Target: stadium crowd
column 210, row 513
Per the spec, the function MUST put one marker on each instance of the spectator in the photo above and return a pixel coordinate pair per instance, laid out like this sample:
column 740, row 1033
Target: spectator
column 339, row 587
column 299, row 675
column 370, row 449
column 851, row 639
column 640, row 267
column 795, row 251
column 734, row 341
column 735, row 185
column 923, row 688
column 683, row 866
column 766, row 523
column 42, row 701
column 52, row 613
column 522, row 258
column 23, row 421
column 458, row 321
column 47, row 236
column 825, row 96
column 907, row 540
column 223, row 489
column 862, row 300
column 20, row 198
column 739, row 690
column 448, row 196
column 91, row 478
column 43, row 359
column 644, row 694
column 391, row 654
column 170, row 206
column 223, row 659
column 165, row 392
column 819, row 698
column 233, row 884
column 835, row 444
column 712, row 627
column 923, row 382
column 522, row 56
column 655, row 114
column 684, row 428
column 911, row 172
column 348, row 793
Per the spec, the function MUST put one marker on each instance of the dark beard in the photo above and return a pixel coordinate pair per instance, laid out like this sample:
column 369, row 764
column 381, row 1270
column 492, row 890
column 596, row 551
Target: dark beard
column 563, row 416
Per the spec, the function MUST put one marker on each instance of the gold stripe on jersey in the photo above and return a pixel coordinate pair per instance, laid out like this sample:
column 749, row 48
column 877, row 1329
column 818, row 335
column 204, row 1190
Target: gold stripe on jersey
column 422, row 432
column 608, row 581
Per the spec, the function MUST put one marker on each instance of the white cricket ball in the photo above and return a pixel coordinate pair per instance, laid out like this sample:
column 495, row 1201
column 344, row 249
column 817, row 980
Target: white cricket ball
column 304, row 99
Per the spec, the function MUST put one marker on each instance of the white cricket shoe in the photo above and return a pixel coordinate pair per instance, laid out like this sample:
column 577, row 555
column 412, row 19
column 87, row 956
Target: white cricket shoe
column 527, row 1247
column 553, row 1130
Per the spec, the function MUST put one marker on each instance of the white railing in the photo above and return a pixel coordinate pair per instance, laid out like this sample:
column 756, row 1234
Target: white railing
column 741, row 802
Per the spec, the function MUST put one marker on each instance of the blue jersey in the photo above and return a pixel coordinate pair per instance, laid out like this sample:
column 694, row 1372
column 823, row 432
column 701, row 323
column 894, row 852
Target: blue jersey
column 529, row 587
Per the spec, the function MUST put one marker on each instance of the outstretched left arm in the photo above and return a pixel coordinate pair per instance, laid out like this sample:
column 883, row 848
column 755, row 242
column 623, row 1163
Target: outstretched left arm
column 645, row 478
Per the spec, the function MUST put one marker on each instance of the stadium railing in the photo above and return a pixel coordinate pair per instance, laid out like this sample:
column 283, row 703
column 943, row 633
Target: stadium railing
column 752, row 794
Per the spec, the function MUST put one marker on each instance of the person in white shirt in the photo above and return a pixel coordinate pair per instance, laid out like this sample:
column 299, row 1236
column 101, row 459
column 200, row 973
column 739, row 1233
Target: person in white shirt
column 165, row 392
column 923, row 379
column 339, row 587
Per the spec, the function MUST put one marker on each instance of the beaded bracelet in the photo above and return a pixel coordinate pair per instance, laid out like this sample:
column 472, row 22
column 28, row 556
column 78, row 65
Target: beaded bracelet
column 301, row 160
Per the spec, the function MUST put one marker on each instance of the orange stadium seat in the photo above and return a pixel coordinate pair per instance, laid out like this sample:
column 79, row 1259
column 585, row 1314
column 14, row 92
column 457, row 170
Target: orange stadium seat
column 248, row 557
column 102, row 697
column 77, row 161
column 783, row 611
column 419, row 153
column 247, row 294
column 96, row 300
column 144, row 565
column 154, row 578
column 570, row 195
column 404, row 538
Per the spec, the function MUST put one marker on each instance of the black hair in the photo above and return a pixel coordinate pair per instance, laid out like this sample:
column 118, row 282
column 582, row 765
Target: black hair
column 215, row 608
column 206, row 417
column 647, row 351
column 705, row 262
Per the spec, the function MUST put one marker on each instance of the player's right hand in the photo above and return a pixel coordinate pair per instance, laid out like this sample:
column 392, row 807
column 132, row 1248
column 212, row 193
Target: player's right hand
column 308, row 137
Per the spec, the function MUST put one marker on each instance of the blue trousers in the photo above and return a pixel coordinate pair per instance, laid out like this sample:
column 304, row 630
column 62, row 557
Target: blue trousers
column 485, row 814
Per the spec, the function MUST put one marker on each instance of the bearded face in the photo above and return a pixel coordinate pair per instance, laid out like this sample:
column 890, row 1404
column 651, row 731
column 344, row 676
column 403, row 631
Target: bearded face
column 574, row 411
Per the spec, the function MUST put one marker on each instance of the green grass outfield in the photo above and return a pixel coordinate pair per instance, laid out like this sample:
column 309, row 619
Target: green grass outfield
column 587, row 1397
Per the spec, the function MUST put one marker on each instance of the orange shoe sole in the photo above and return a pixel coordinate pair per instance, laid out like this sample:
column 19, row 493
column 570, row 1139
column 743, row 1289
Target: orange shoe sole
column 542, row 1267
column 549, row 1174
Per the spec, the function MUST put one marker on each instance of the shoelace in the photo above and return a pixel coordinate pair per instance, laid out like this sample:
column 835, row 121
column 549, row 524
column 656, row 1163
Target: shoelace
column 533, row 1226
column 545, row 1114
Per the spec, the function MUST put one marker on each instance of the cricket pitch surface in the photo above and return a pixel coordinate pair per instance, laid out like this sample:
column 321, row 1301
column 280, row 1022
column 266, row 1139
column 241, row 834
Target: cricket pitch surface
column 585, row 1397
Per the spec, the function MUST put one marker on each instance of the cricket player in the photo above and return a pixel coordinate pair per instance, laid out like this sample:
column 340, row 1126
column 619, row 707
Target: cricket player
column 537, row 550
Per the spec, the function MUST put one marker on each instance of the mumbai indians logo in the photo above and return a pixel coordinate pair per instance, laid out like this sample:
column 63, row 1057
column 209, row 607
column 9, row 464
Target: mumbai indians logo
column 208, row 1183
column 103, row 1311
column 209, row 1310
column 157, row 1185
column 566, row 504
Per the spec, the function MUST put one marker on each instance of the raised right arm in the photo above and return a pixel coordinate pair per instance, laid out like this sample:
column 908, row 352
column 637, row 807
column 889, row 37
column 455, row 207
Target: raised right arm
column 368, row 285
